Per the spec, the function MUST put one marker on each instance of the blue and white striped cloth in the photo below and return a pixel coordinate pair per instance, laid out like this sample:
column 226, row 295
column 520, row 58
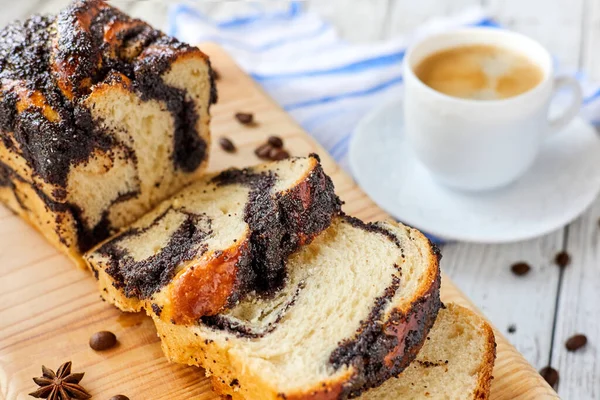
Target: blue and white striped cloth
column 324, row 82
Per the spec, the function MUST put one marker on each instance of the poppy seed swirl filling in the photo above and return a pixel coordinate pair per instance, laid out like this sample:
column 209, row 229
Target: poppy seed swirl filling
column 217, row 241
column 147, row 276
column 382, row 346
column 54, row 71
column 356, row 308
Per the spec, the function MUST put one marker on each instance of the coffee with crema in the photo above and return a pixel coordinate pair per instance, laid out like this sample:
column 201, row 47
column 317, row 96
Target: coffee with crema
column 479, row 72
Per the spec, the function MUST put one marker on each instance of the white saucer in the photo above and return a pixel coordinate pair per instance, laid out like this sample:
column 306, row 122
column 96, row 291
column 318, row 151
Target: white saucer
column 562, row 183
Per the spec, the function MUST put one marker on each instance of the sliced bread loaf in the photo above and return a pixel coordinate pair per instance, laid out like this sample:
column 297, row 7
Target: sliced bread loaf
column 356, row 308
column 101, row 118
column 455, row 363
column 218, row 239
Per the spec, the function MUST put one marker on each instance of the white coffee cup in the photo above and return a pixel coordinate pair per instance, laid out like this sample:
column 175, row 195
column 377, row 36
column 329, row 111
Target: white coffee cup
column 482, row 144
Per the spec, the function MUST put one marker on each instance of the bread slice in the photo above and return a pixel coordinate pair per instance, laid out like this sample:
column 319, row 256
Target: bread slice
column 356, row 308
column 215, row 241
column 101, row 118
column 455, row 363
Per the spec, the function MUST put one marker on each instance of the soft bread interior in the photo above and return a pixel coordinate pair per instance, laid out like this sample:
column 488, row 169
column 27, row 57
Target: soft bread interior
column 332, row 292
column 455, row 363
column 223, row 205
column 147, row 127
column 334, row 286
column 219, row 211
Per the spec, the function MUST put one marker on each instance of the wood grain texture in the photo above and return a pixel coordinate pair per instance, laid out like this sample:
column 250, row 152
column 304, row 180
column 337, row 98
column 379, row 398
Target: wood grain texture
column 407, row 15
column 49, row 308
column 590, row 56
column 555, row 24
column 51, row 6
column 483, row 271
column 358, row 21
column 12, row 12
column 153, row 12
column 578, row 311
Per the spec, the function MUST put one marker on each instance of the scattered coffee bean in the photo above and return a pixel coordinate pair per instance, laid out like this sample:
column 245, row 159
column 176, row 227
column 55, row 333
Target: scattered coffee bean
column 520, row 268
column 216, row 75
column 576, row 342
column 119, row 397
column 562, row 259
column 245, row 118
column 275, row 141
column 550, row 375
column 227, row 145
column 103, row 340
column 263, row 151
column 278, row 154
column 272, row 150
column 512, row 328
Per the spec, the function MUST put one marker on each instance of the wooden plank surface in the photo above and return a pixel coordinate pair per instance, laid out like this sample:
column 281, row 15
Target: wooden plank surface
column 556, row 24
column 408, row 15
column 591, row 41
column 18, row 11
column 49, row 308
column 578, row 311
column 362, row 21
column 528, row 305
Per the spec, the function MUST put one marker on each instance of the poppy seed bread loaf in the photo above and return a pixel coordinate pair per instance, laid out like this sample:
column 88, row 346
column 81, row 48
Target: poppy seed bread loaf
column 225, row 236
column 101, row 118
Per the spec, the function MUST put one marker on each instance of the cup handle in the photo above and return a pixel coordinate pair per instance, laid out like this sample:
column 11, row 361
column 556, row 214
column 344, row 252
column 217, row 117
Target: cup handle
column 556, row 124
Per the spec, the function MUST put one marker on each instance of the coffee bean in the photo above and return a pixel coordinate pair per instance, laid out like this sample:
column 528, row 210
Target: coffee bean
column 216, row 75
column 119, row 397
column 576, row 342
column 263, row 151
column 562, row 259
column 275, row 141
column 520, row 268
column 550, row 375
column 245, row 118
column 512, row 328
column 103, row 340
column 227, row 145
column 272, row 152
column 278, row 154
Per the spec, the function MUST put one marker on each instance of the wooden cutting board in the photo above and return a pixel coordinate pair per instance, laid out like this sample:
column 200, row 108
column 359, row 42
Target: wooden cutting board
column 49, row 308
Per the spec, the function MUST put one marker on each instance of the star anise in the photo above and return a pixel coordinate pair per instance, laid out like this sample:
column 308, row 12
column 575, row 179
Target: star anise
column 62, row 385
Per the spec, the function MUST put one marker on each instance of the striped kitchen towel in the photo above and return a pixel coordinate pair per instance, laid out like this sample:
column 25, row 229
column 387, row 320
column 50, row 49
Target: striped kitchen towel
column 324, row 82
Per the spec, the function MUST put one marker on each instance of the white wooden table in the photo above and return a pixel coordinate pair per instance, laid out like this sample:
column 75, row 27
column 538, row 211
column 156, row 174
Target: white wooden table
column 549, row 304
